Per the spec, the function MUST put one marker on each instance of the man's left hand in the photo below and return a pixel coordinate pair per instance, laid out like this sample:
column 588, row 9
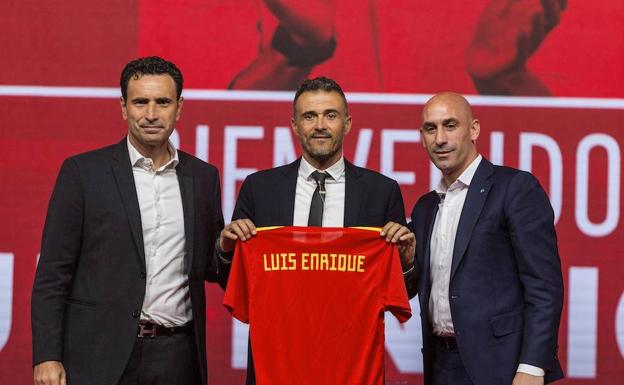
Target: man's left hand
column 527, row 379
column 405, row 241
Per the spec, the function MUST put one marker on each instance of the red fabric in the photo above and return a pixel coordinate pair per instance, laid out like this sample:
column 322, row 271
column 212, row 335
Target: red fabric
column 313, row 322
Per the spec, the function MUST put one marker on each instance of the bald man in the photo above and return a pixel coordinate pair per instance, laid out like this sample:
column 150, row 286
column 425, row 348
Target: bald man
column 487, row 268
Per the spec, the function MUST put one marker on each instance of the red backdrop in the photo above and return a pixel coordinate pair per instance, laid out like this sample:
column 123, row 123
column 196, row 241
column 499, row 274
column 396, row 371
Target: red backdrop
column 389, row 53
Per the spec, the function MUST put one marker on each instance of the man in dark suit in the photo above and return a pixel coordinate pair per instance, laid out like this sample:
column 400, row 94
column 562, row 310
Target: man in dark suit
column 488, row 273
column 128, row 242
column 321, row 188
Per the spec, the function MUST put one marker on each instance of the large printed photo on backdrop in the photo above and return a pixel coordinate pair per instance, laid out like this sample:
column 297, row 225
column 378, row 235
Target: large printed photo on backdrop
column 544, row 78
column 487, row 46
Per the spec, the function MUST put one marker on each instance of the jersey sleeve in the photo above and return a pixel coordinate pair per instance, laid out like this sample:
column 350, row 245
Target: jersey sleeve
column 397, row 301
column 236, row 298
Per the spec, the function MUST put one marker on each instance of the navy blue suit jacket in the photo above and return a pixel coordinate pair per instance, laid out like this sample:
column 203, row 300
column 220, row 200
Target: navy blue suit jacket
column 506, row 287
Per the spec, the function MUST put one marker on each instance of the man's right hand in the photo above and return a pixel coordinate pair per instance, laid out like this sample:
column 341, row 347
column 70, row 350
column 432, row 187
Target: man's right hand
column 405, row 241
column 242, row 229
column 49, row 373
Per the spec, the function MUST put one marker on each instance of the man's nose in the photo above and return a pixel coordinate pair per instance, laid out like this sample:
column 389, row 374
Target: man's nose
column 320, row 123
column 440, row 137
column 151, row 112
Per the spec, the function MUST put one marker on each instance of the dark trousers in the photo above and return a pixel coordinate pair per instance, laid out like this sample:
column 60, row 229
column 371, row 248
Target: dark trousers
column 250, row 379
column 163, row 360
column 448, row 368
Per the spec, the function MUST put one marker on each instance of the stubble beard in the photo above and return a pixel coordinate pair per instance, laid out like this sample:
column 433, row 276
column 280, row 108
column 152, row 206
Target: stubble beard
column 321, row 155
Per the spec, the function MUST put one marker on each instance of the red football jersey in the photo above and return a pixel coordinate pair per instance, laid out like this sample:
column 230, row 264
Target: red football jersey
column 314, row 299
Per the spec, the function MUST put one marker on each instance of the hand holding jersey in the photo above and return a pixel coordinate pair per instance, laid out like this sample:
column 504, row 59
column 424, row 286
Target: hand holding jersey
column 315, row 299
column 393, row 232
column 242, row 229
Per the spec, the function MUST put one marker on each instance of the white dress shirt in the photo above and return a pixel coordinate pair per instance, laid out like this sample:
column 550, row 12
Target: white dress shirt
column 167, row 300
column 452, row 200
column 333, row 209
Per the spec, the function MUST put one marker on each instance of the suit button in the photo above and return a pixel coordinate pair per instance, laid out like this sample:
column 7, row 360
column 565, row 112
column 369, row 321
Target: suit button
column 454, row 296
column 143, row 275
column 135, row 314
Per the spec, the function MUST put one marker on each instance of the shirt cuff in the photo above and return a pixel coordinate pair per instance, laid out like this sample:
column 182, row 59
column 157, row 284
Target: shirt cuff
column 226, row 258
column 530, row 369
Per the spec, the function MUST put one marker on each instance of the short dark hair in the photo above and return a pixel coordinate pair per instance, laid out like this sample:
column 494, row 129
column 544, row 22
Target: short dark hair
column 320, row 83
column 152, row 65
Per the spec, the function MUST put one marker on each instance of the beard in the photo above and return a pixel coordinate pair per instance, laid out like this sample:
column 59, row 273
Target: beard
column 321, row 153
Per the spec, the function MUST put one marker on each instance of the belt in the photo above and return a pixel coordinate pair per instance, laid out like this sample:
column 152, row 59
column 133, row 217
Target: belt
column 449, row 343
column 152, row 330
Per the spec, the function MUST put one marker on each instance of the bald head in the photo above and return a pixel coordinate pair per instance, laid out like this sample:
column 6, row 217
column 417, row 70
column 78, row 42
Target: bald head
column 450, row 99
column 449, row 134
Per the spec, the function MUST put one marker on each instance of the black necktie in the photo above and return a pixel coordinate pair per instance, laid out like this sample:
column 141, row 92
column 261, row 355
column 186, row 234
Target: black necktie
column 318, row 200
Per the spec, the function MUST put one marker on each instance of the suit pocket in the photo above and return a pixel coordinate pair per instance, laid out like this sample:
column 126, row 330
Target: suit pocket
column 372, row 220
column 80, row 302
column 506, row 323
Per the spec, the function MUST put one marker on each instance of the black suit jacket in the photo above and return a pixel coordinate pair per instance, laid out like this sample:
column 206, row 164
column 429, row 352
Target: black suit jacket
column 268, row 198
column 90, row 281
column 506, row 288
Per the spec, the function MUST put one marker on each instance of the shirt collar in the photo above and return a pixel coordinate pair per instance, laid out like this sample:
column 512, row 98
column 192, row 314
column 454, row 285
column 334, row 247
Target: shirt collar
column 336, row 170
column 138, row 160
column 463, row 180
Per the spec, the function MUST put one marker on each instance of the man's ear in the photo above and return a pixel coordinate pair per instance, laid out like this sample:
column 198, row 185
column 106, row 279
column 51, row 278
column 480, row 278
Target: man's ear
column 348, row 123
column 179, row 109
column 475, row 129
column 124, row 112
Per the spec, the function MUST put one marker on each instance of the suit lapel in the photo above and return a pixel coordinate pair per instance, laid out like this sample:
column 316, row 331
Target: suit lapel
column 475, row 199
column 354, row 191
column 186, row 182
column 430, row 216
column 285, row 193
column 122, row 170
